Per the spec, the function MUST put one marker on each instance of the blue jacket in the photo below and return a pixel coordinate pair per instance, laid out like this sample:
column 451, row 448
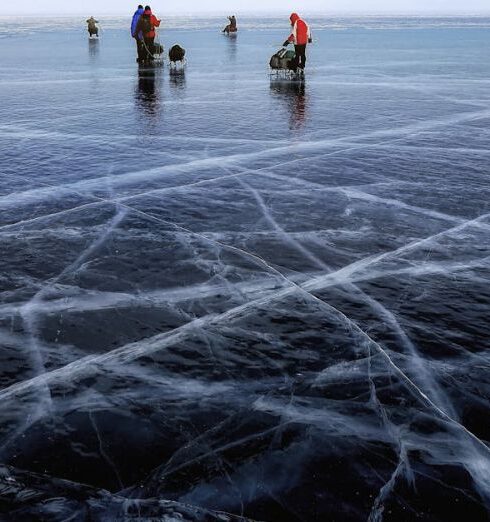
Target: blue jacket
column 134, row 23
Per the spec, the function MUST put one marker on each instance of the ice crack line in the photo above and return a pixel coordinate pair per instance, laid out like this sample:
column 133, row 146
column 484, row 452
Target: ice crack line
column 104, row 300
column 260, row 260
column 341, row 275
column 304, row 147
column 411, row 385
column 102, row 451
column 136, row 350
column 420, row 369
column 28, row 311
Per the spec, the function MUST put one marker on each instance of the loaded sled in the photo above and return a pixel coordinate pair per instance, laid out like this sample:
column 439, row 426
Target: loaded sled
column 153, row 54
column 282, row 63
column 157, row 53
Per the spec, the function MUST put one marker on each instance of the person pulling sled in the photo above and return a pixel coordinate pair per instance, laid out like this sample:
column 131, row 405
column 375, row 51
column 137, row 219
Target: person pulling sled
column 300, row 37
column 145, row 28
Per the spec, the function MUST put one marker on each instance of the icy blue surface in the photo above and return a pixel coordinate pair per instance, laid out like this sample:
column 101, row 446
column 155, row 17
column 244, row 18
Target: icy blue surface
column 245, row 294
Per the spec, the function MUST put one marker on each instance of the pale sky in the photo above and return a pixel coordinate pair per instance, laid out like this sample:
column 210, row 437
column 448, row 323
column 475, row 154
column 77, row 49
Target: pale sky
column 121, row 7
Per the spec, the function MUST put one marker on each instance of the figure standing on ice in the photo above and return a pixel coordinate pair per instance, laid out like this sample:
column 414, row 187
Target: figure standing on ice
column 300, row 37
column 146, row 25
column 138, row 37
column 92, row 27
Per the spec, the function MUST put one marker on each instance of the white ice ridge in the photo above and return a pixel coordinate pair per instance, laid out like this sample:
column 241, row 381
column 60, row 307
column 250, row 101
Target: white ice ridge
column 422, row 372
column 136, row 350
column 350, row 191
column 182, row 187
column 353, row 192
column 81, row 300
column 129, row 178
column 28, row 310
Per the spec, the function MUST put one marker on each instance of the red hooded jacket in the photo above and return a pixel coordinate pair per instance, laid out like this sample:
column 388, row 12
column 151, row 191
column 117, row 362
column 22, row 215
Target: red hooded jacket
column 155, row 22
column 301, row 32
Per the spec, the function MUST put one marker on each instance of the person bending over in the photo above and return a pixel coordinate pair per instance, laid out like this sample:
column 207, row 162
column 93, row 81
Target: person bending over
column 92, row 27
column 300, row 37
column 231, row 27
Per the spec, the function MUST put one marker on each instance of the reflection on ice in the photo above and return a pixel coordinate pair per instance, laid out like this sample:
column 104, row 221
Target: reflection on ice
column 177, row 80
column 295, row 98
column 93, row 48
column 148, row 93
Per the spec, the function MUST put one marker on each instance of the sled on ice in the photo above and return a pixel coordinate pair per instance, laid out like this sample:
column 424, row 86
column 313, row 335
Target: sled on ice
column 282, row 64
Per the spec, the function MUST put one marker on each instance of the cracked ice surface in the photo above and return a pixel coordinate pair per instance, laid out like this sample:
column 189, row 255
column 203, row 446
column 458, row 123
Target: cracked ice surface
column 225, row 297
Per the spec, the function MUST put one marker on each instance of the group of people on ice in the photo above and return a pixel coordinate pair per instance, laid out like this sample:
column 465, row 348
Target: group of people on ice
column 300, row 37
column 143, row 31
column 144, row 23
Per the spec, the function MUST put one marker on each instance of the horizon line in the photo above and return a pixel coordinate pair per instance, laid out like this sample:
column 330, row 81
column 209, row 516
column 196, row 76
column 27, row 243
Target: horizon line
column 255, row 13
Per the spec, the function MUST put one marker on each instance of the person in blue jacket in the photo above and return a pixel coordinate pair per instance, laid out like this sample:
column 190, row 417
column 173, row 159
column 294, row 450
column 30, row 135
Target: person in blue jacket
column 138, row 37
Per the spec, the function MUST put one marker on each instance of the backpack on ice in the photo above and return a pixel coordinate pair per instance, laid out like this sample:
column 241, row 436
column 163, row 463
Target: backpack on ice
column 282, row 60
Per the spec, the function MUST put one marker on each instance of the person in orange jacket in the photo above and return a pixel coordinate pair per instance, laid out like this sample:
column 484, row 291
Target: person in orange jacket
column 300, row 37
column 146, row 25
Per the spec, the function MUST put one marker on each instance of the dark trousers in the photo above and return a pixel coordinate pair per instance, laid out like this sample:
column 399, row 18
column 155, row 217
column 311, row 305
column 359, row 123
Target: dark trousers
column 299, row 61
column 148, row 49
column 141, row 50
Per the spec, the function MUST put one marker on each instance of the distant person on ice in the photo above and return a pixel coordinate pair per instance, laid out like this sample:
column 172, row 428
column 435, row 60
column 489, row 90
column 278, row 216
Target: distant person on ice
column 146, row 25
column 92, row 27
column 138, row 37
column 300, row 37
column 231, row 27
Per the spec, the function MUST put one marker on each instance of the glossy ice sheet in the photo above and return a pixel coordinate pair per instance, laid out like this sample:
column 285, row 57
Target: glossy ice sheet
column 252, row 296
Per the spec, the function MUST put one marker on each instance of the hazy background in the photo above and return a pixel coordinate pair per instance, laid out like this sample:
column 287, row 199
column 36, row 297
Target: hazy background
column 119, row 7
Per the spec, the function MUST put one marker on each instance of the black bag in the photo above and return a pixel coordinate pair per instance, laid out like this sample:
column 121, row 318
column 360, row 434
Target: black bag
column 176, row 54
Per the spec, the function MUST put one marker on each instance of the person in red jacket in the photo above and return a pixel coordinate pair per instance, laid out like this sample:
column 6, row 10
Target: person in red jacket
column 146, row 26
column 300, row 37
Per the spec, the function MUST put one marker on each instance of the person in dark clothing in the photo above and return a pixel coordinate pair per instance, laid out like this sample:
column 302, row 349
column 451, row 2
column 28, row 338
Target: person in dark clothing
column 299, row 61
column 138, row 37
column 92, row 27
column 146, row 26
column 231, row 27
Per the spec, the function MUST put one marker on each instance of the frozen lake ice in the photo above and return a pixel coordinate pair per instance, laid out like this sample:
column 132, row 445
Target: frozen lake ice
column 222, row 292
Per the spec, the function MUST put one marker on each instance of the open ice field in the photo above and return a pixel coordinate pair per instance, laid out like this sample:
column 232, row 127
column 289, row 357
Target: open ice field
column 222, row 293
